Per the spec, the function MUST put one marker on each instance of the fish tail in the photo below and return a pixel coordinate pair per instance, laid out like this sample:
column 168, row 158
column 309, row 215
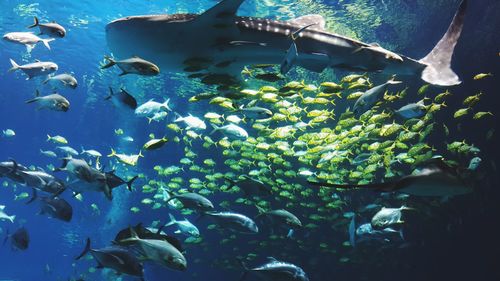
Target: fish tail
column 129, row 183
column 178, row 117
column 110, row 63
column 172, row 220
column 34, row 196
column 12, row 218
column 113, row 153
column 216, row 128
column 110, row 94
column 35, row 22
column 85, row 250
column 47, row 41
column 438, row 62
column 166, row 106
column 14, row 67
column 48, row 137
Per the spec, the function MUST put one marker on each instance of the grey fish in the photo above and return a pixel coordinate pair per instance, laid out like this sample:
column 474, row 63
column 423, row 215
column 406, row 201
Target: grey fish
column 159, row 251
column 256, row 112
column 85, row 177
column 275, row 270
column 133, row 65
column 193, row 201
column 64, row 80
column 412, row 110
column 170, row 40
column 38, row 179
column 366, row 232
column 281, row 217
column 52, row 29
column 54, row 207
column 387, row 217
column 122, row 100
column 371, row 97
column 250, row 186
column 54, row 102
column 115, row 257
column 37, row 68
column 235, row 222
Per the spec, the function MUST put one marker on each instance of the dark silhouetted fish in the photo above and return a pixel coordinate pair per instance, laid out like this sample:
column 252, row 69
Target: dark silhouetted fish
column 122, row 100
column 436, row 179
column 54, row 207
column 115, row 257
column 20, row 239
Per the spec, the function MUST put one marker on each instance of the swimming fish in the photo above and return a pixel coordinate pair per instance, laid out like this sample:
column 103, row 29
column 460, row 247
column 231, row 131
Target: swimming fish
column 52, row 29
column 133, row 65
column 37, row 68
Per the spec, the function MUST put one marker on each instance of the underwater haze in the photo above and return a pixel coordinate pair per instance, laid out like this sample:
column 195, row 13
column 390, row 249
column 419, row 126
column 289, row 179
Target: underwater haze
column 249, row 140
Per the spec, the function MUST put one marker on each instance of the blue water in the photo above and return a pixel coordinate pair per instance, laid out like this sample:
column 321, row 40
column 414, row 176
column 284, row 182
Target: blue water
column 456, row 243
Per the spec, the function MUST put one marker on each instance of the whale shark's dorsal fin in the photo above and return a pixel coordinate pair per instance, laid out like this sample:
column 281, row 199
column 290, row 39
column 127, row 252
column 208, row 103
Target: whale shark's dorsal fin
column 318, row 21
column 225, row 11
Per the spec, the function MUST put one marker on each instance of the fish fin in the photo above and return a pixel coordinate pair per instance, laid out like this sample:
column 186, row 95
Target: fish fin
column 315, row 65
column 290, row 58
column 34, row 196
column 438, row 61
column 113, row 153
column 310, row 19
column 107, row 192
column 129, row 183
column 120, row 261
column 271, row 259
column 216, row 128
column 223, row 12
column 37, row 97
column 172, row 220
column 14, row 67
column 110, row 94
column 110, row 63
column 35, row 23
column 352, row 231
column 165, row 105
column 85, row 250
column 47, row 41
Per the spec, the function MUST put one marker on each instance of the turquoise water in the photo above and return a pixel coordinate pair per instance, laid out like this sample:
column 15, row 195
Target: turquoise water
column 446, row 238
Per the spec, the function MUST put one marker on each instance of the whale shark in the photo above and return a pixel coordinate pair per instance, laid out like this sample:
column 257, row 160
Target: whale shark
column 218, row 42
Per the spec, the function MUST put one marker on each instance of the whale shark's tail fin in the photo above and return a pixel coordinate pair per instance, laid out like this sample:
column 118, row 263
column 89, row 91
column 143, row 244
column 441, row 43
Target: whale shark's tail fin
column 438, row 61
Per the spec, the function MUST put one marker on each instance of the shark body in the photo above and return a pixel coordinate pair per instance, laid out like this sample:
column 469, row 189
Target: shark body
column 219, row 42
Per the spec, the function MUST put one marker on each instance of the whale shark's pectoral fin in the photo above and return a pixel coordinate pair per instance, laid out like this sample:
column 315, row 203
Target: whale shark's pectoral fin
column 220, row 15
column 309, row 20
column 316, row 62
